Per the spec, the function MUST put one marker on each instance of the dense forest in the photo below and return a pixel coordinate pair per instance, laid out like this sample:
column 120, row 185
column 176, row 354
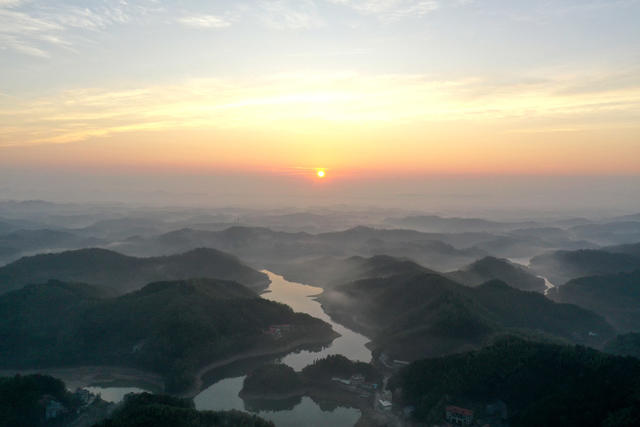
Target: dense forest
column 172, row 328
column 146, row 410
column 23, row 400
column 427, row 315
column 272, row 380
column 490, row 268
column 541, row 383
column 614, row 296
column 625, row 345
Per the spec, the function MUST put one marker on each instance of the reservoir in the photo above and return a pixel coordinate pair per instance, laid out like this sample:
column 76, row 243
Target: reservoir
column 226, row 383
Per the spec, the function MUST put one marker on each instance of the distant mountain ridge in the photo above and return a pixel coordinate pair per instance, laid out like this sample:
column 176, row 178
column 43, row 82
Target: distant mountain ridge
column 122, row 273
column 266, row 247
column 22, row 242
column 562, row 266
column 328, row 272
column 435, row 223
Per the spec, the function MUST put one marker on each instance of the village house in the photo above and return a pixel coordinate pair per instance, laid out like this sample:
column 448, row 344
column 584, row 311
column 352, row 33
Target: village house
column 458, row 415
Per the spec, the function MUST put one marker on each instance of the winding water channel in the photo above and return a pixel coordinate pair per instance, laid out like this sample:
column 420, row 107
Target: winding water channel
column 226, row 382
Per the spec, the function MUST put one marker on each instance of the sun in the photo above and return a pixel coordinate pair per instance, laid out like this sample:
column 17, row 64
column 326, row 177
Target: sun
column 320, row 173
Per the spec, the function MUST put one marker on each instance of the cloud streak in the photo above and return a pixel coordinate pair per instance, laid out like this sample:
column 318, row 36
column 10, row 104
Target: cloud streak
column 308, row 101
column 391, row 10
column 205, row 21
column 34, row 27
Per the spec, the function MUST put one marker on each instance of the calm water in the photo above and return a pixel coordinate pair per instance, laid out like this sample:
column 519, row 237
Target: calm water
column 227, row 382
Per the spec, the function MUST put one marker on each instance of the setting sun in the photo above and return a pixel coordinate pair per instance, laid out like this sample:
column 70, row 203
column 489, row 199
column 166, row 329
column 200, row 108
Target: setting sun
column 320, row 174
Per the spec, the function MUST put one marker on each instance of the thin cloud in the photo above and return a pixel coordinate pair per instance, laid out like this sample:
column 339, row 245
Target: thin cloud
column 35, row 27
column 391, row 10
column 205, row 21
column 290, row 15
column 291, row 101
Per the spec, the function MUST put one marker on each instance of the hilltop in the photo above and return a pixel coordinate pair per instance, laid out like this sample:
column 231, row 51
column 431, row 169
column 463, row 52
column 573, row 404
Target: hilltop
column 430, row 315
column 490, row 268
column 561, row 266
column 327, row 272
column 614, row 296
column 170, row 328
column 121, row 273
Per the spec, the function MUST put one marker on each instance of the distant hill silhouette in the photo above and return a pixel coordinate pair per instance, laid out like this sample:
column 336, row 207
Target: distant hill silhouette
column 609, row 233
column 26, row 242
column 562, row 266
column 267, row 248
column 122, row 273
column 490, row 268
column 434, row 223
column 331, row 271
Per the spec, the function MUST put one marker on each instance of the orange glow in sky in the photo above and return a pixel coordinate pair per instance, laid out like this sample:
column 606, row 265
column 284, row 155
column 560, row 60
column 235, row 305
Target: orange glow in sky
column 409, row 89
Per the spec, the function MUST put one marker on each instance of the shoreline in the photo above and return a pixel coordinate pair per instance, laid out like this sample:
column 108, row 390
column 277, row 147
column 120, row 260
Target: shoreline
column 197, row 387
column 95, row 375
column 104, row 375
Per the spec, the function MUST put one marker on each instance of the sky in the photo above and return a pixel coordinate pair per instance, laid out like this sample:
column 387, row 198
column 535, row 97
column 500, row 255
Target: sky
column 363, row 89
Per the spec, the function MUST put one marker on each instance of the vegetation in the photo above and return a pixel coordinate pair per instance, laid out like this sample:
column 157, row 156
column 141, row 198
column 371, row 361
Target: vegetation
column 272, row 380
column 120, row 273
column 624, row 345
column 338, row 366
column 23, row 400
column 490, row 268
column 144, row 410
column 542, row 384
column 278, row 380
column 614, row 296
column 561, row 266
column 328, row 271
column 429, row 315
column 172, row 328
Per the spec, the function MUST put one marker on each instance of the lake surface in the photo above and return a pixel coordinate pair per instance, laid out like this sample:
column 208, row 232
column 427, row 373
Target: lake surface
column 226, row 382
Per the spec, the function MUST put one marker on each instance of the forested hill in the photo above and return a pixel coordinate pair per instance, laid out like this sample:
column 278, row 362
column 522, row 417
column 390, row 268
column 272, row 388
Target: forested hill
column 561, row 266
column 122, row 273
column 430, row 315
column 541, row 384
column 614, row 296
column 147, row 409
column 328, row 271
column 172, row 328
column 490, row 268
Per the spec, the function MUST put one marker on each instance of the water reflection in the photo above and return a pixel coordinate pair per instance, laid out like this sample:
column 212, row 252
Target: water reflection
column 300, row 298
column 227, row 381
